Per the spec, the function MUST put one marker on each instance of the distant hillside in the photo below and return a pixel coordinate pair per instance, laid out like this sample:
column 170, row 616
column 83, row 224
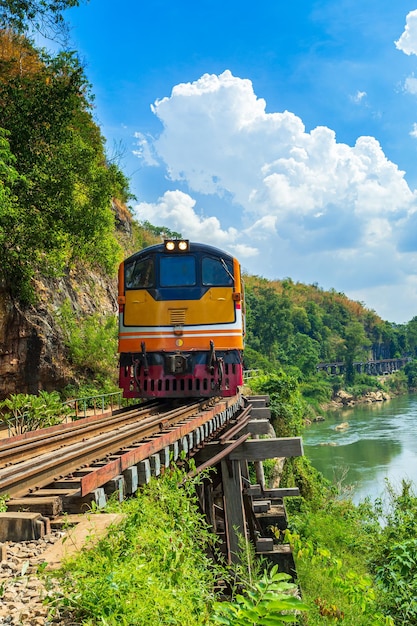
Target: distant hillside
column 293, row 324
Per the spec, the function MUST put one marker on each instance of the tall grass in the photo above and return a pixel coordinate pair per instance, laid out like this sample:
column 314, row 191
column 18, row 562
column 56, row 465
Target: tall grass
column 155, row 568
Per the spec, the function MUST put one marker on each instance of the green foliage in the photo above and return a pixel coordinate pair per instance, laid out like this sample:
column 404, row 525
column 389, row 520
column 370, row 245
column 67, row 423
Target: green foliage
column 357, row 563
column 329, row 543
column 13, row 269
column 287, row 405
column 291, row 325
column 301, row 325
column 92, row 393
column 398, row 383
column 154, row 568
column 396, row 577
column 411, row 336
column 23, row 412
column 410, row 371
column 268, row 321
column 40, row 14
column 356, row 344
column 91, row 342
column 364, row 384
column 299, row 472
column 61, row 210
column 268, row 602
column 160, row 231
column 317, row 390
column 392, row 555
column 256, row 361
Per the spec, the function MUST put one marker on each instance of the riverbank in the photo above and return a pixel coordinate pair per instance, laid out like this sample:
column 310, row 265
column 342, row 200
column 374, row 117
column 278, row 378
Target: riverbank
column 343, row 398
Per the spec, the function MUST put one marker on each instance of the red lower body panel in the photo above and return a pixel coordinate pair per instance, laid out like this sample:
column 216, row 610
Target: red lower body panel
column 153, row 382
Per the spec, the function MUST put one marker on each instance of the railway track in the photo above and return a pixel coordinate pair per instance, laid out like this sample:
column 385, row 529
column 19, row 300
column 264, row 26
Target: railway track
column 69, row 467
column 82, row 456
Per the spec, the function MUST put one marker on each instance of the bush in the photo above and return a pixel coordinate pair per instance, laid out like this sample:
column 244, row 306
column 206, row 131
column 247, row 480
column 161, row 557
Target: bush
column 269, row 601
column 317, row 390
column 91, row 342
column 153, row 568
column 287, row 406
column 24, row 412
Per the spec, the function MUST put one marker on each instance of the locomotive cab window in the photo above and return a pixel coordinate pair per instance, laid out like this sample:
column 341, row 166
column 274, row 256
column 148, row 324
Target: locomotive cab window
column 140, row 274
column 216, row 272
column 177, row 271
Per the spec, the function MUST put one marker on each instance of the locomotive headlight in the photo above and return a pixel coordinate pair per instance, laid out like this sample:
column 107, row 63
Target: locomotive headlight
column 180, row 245
column 183, row 246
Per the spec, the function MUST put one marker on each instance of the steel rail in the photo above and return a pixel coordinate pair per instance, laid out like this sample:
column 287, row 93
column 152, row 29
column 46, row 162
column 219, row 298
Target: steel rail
column 233, row 444
column 22, row 477
column 36, row 442
column 242, row 422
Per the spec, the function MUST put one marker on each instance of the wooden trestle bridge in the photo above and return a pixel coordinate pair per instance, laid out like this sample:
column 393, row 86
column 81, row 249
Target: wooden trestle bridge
column 372, row 367
column 67, row 468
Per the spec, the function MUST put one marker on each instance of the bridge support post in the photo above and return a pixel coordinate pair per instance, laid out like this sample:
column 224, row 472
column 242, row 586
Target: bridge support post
column 234, row 511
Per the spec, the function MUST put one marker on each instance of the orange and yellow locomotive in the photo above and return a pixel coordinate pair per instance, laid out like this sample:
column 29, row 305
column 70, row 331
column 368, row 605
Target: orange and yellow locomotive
column 181, row 322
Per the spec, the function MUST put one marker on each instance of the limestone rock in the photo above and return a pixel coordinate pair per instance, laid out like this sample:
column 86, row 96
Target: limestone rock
column 33, row 356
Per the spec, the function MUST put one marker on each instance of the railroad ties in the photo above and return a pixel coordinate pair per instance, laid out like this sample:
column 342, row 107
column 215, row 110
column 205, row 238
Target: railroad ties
column 231, row 435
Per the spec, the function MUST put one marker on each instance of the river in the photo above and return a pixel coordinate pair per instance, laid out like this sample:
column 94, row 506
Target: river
column 379, row 443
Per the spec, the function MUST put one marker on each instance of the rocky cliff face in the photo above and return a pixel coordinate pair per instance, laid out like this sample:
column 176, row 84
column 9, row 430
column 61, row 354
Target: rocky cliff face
column 32, row 350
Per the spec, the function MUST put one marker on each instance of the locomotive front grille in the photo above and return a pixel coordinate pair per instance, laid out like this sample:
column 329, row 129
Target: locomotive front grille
column 177, row 317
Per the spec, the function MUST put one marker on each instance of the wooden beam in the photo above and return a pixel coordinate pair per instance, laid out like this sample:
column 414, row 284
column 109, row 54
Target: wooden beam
column 258, row 427
column 225, row 451
column 265, row 399
column 261, row 412
column 261, row 449
column 234, row 509
column 253, row 449
column 281, row 492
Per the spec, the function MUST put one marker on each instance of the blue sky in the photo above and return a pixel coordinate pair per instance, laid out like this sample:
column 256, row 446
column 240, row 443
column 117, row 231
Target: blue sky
column 285, row 133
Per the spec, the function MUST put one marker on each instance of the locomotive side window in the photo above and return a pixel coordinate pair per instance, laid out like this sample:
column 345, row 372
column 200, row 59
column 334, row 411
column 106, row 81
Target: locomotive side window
column 140, row 274
column 177, row 271
column 216, row 272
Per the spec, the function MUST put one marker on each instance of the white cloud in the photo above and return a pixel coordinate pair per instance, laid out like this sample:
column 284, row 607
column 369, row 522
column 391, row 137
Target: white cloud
column 359, row 96
column 315, row 209
column 408, row 40
column 145, row 150
column 410, row 85
column 218, row 138
column 175, row 209
column 243, row 251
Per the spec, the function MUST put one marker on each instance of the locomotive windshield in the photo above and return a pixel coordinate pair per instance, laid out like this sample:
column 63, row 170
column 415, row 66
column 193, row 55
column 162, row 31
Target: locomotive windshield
column 140, row 274
column 216, row 272
column 177, row 271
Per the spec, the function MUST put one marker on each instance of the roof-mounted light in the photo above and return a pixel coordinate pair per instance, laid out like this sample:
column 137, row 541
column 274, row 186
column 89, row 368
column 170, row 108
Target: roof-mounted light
column 176, row 245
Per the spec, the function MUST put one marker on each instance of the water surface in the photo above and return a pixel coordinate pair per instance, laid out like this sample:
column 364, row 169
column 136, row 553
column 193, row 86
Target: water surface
column 379, row 443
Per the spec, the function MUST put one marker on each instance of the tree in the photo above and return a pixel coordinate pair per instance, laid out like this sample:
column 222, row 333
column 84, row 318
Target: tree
column 65, row 186
column 304, row 353
column 14, row 268
column 268, row 321
column 44, row 16
column 356, row 344
column 411, row 334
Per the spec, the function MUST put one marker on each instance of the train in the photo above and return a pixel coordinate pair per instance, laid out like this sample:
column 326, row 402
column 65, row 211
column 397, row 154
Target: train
column 181, row 322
